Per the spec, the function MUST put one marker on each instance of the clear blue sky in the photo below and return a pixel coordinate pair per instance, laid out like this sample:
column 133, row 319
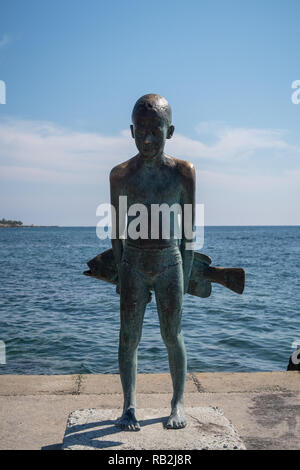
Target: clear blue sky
column 74, row 69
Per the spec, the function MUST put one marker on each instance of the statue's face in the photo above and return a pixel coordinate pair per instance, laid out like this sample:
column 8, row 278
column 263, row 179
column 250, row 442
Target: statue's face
column 150, row 132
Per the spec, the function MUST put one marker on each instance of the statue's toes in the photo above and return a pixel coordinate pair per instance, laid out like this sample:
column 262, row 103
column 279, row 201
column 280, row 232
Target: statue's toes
column 133, row 427
column 174, row 423
column 182, row 424
column 170, row 424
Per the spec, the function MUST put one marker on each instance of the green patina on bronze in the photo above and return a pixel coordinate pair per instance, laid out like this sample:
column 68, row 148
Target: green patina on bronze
column 161, row 265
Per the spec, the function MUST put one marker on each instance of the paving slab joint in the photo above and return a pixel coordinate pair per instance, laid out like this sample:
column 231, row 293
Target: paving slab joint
column 198, row 386
column 77, row 385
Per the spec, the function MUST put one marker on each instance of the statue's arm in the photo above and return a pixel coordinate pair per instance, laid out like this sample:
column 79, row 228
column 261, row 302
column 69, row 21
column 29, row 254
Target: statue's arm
column 188, row 220
column 117, row 229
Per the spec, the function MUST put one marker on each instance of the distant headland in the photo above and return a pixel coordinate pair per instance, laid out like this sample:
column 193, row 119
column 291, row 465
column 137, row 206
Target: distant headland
column 18, row 224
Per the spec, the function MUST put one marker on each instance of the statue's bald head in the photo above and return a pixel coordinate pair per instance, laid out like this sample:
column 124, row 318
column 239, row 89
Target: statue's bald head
column 152, row 103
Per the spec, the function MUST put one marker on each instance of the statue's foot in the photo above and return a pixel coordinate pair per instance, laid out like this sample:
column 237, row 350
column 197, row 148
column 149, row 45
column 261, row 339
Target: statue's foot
column 177, row 418
column 128, row 421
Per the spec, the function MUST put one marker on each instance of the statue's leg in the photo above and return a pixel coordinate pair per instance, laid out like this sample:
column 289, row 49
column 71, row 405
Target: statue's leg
column 168, row 288
column 134, row 295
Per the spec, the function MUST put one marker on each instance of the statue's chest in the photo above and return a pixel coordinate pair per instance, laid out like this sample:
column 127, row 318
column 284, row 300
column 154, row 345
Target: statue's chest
column 153, row 188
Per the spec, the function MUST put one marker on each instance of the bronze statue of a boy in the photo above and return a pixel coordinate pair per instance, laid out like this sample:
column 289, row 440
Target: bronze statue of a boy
column 161, row 264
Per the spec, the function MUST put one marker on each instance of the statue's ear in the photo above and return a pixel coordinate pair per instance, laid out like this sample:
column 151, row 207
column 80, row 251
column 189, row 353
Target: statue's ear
column 170, row 132
column 132, row 130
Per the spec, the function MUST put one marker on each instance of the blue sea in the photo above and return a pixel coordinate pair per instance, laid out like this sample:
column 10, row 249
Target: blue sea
column 54, row 320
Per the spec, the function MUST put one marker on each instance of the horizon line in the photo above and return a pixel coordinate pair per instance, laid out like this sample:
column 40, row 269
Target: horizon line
column 208, row 225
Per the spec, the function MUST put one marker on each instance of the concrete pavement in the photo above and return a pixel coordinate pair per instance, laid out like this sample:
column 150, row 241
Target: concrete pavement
column 264, row 407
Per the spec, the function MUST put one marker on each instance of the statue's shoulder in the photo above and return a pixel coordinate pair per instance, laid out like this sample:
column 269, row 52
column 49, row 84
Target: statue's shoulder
column 121, row 171
column 184, row 168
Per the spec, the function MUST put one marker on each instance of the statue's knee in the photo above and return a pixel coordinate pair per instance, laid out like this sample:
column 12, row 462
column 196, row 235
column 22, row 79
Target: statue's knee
column 129, row 340
column 171, row 338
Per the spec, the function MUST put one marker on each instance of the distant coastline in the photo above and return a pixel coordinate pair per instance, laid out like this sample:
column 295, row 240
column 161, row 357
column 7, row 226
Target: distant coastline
column 27, row 226
column 18, row 224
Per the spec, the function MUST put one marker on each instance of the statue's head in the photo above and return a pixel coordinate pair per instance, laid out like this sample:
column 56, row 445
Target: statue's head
column 151, row 118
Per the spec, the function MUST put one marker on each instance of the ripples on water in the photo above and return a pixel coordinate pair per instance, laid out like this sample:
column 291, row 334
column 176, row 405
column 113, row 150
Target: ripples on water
column 54, row 320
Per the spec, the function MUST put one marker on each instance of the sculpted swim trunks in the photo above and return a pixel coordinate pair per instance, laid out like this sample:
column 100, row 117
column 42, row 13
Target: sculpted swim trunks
column 150, row 262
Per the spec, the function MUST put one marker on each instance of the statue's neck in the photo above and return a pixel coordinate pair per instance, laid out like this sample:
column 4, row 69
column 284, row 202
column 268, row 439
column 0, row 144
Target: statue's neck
column 155, row 161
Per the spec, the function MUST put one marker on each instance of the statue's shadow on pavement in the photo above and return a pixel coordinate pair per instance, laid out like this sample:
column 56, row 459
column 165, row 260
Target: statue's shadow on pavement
column 84, row 434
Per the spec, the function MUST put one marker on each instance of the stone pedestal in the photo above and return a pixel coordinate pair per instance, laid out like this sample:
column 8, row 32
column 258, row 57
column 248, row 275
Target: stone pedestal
column 96, row 429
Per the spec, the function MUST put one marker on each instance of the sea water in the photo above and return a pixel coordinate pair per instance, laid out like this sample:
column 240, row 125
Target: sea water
column 54, row 320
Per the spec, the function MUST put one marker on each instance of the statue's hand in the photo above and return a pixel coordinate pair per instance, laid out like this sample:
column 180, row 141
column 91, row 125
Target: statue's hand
column 118, row 280
column 187, row 258
column 186, row 282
